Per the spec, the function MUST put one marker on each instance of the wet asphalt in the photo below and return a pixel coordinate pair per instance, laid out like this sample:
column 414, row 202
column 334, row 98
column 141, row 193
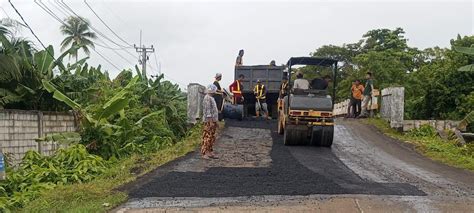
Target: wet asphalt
column 295, row 170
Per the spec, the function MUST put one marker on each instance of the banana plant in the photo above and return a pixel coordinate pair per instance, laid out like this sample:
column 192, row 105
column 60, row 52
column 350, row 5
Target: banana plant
column 467, row 51
column 469, row 119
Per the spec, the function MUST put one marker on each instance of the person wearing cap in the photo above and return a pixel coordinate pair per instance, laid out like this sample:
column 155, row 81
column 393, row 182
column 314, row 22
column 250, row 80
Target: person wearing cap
column 260, row 96
column 219, row 96
column 236, row 89
column 300, row 82
column 210, row 117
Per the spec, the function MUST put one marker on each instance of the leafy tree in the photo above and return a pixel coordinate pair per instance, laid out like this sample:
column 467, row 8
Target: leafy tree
column 434, row 88
column 77, row 32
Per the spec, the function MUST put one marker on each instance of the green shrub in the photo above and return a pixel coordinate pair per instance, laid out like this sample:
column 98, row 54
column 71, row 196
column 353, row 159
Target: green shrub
column 424, row 131
column 37, row 173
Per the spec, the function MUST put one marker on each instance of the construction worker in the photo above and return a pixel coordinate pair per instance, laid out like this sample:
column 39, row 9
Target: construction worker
column 238, row 60
column 236, row 89
column 284, row 87
column 321, row 83
column 219, row 95
column 300, row 83
column 260, row 96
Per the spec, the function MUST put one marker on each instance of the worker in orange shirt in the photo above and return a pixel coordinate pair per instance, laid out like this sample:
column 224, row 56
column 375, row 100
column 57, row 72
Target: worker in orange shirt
column 357, row 89
column 236, row 89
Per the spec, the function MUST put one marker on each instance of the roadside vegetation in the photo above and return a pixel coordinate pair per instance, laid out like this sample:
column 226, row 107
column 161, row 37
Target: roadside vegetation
column 124, row 122
column 439, row 82
column 102, row 194
column 427, row 142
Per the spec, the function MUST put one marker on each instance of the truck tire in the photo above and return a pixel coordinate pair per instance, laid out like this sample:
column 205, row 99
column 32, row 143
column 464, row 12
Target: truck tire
column 322, row 136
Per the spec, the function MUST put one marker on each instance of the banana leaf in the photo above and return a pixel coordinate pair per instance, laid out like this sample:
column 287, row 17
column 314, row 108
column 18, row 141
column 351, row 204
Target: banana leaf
column 44, row 61
column 78, row 63
column 469, row 119
column 467, row 68
column 118, row 102
column 465, row 50
column 58, row 95
column 63, row 138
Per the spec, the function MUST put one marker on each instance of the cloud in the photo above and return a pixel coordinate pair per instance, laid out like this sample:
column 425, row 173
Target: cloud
column 194, row 40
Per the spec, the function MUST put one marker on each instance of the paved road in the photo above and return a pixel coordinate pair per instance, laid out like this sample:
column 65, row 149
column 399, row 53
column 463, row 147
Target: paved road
column 364, row 171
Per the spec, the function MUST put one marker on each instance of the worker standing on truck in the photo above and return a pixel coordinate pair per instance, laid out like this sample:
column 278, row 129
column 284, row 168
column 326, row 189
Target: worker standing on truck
column 369, row 88
column 236, row 89
column 219, row 96
column 210, row 117
column 238, row 61
column 260, row 95
column 284, row 87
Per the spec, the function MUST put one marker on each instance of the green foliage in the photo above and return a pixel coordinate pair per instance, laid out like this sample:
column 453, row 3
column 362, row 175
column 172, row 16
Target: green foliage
column 38, row 173
column 77, row 32
column 429, row 144
column 437, row 81
column 424, row 131
column 90, row 196
column 117, row 118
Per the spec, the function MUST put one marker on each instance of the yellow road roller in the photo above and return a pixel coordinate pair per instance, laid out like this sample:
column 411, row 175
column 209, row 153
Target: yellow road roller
column 305, row 114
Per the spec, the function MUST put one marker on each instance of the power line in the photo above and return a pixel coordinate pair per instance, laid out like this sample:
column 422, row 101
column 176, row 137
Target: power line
column 106, row 59
column 93, row 28
column 103, row 22
column 51, row 13
column 47, row 10
column 62, row 9
column 65, row 6
column 5, row 12
column 31, row 30
column 58, row 8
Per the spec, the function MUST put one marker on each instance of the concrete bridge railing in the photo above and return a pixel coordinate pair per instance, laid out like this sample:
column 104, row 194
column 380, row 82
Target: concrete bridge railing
column 340, row 109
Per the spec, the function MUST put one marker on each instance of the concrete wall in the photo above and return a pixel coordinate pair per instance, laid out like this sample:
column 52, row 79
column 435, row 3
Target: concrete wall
column 196, row 94
column 392, row 107
column 19, row 129
column 438, row 124
column 340, row 109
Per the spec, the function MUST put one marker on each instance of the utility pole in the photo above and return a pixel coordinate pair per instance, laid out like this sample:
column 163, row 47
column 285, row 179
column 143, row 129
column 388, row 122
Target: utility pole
column 144, row 57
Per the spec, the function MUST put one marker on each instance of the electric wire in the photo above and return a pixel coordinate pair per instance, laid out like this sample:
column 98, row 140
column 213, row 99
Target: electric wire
column 31, row 30
column 103, row 22
column 92, row 27
column 51, row 13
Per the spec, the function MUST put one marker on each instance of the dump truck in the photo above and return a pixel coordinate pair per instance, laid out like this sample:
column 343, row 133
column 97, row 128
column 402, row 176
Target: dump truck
column 306, row 116
column 271, row 77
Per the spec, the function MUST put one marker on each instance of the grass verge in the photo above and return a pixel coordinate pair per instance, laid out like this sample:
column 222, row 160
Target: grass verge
column 100, row 195
column 432, row 146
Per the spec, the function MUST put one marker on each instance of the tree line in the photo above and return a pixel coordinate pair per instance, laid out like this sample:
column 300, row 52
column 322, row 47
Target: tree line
column 439, row 82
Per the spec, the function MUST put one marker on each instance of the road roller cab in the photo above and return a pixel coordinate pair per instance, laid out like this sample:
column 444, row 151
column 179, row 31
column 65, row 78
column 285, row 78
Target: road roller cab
column 306, row 116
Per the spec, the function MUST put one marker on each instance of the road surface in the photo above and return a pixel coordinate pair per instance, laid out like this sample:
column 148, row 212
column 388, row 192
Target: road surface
column 364, row 171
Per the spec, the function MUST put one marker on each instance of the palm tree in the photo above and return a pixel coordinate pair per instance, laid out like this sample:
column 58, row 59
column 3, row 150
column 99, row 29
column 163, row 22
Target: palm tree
column 77, row 33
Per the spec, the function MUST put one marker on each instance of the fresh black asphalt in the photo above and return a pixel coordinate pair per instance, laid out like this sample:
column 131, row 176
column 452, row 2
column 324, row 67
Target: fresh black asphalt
column 294, row 171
